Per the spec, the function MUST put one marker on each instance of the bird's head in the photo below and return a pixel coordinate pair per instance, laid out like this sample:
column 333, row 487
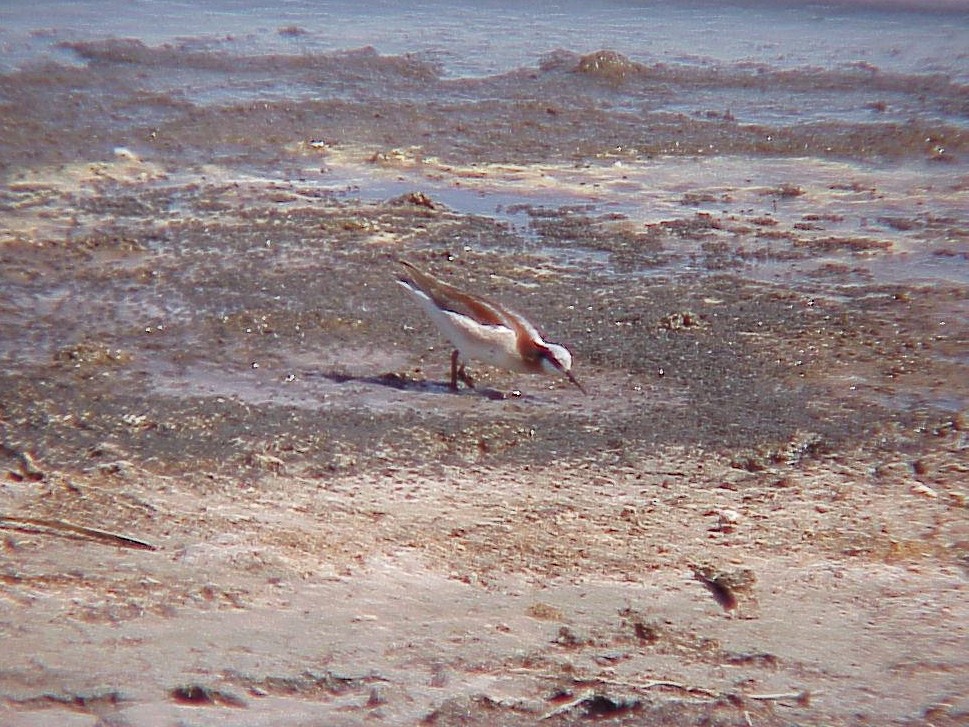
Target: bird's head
column 556, row 359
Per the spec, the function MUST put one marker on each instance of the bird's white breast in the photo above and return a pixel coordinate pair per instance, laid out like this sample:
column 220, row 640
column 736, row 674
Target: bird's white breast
column 492, row 344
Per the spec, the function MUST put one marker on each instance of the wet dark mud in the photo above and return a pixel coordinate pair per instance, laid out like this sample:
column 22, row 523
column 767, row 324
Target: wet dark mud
column 751, row 519
column 289, row 301
column 570, row 107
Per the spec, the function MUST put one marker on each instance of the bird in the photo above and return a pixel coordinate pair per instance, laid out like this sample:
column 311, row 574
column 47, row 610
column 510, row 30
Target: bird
column 483, row 330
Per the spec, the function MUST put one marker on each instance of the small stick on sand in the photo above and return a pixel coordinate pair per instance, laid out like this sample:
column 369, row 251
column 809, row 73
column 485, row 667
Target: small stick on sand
column 641, row 686
column 803, row 698
column 125, row 541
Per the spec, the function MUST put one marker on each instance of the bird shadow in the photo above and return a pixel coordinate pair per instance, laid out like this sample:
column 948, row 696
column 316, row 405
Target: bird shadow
column 397, row 381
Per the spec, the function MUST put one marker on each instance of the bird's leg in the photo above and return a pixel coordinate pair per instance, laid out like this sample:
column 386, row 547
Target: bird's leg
column 454, row 370
column 458, row 372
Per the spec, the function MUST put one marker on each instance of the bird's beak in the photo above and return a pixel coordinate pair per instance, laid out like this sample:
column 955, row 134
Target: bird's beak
column 575, row 381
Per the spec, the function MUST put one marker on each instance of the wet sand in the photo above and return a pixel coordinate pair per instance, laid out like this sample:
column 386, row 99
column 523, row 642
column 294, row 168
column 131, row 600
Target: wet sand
column 758, row 516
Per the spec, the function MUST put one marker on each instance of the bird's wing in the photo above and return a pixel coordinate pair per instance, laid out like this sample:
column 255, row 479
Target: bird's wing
column 531, row 345
column 449, row 298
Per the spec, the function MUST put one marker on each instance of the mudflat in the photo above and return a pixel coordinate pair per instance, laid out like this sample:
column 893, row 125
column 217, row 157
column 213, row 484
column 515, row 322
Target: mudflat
column 235, row 488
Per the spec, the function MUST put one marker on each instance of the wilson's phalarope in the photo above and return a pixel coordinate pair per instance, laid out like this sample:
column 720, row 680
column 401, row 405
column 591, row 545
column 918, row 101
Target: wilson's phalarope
column 483, row 330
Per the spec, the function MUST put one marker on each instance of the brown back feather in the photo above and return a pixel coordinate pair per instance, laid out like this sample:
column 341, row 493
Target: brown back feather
column 450, row 298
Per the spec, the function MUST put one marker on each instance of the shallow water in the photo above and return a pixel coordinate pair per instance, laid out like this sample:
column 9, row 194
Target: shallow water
column 487, row 38
column 843, row 61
